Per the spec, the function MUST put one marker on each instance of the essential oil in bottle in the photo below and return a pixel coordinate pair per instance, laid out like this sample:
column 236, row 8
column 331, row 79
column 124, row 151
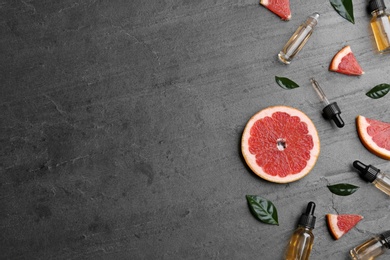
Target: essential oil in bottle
column 372, row 248
column 372, row 174
column 301, row 241
column 298, row 39
column 380, row 24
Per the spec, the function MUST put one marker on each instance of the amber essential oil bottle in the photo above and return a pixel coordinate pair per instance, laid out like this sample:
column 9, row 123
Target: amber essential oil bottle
column 301, row 241
column 371, row 248
column 380, row 24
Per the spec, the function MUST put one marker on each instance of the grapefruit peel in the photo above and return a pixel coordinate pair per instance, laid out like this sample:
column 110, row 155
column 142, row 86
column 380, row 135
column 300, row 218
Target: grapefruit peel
column 339, row 225
column 283, row 152
column 374, row 135
column 345, row 62
column 279, row 7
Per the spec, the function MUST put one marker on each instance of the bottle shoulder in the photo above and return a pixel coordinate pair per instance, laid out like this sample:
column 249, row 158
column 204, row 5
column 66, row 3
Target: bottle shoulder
column 304, row 231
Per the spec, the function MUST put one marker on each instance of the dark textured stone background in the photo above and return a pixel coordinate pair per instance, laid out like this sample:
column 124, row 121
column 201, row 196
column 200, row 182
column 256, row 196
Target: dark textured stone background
column 121, row 122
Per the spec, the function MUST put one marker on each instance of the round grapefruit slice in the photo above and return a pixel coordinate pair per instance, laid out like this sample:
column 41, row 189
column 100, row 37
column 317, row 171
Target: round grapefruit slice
column 280, row 144
column 374, row 135
column 340, row 224
column 345, row 62
column 279, row 7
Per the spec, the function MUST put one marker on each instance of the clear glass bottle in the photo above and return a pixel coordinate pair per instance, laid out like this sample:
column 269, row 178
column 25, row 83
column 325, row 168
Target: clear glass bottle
column 380, row 24
column 371, row 248
column 372, row 174
column 298, row 39
column 302, row 239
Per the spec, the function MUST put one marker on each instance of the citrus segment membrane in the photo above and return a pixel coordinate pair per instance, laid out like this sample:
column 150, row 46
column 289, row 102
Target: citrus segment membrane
column 374, row 135
column 280, row 144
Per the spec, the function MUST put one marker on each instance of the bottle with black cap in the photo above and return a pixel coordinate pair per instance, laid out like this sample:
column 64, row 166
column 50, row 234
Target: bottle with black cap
column 372, row 174
column 380, row 24
column 301, row 241
column 372, row 248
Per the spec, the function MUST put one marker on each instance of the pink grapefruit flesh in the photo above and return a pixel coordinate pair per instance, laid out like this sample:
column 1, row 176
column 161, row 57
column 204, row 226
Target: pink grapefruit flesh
column 339, row 225
column 279, row 7
column 345, row 62
column 280, row 144
column 374, row 135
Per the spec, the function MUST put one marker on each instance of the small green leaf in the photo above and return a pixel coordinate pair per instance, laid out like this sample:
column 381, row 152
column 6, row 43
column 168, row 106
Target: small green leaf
column 263, row 209
column 378, row 91
column 343, row 189
column 286, row 83
column 344, row 8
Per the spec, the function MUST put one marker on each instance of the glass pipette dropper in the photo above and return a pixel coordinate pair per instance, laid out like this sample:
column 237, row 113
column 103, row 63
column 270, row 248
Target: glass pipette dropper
column 331, row 110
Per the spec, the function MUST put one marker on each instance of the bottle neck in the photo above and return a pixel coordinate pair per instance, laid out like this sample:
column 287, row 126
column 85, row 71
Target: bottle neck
column 305, row 227
column 385, row 243
column 385, row 239
column 378, row 12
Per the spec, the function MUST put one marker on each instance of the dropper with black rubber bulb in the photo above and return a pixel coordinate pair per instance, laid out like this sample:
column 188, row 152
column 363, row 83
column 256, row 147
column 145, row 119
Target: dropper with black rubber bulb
column 372, row 174
column 331, row 111
column 302, row 239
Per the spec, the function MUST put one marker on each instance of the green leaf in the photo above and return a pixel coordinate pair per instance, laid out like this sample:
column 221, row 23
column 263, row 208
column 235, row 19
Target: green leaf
column 378, row 91
column 344, row 8
column 286, row 83
column 263, row 209
column 343, row 189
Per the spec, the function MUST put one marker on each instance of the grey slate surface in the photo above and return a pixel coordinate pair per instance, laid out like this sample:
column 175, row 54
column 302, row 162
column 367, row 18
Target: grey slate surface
column 121, row 125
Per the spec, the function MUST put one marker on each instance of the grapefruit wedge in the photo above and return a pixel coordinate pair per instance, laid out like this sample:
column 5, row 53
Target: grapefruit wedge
column 345, row 62
column 280, row 144
column 374, row 135
column 279, row 7
column 340, row 224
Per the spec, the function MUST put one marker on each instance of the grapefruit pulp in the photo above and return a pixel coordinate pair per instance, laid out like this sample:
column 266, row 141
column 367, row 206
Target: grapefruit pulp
column 345, row 62
column 279, row 7
column 374, row 135
column 340, row 224
column 280, row 144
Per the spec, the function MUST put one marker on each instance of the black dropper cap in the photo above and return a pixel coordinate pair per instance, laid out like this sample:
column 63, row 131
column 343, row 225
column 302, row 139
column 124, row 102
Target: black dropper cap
column 332, row 111
column 367, row 172
column 308, row 219
column 375, row 5
column 386, row 237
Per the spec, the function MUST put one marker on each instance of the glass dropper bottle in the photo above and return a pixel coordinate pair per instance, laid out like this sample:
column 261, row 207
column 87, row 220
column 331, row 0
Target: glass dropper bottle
column 372, row 174
column 380, row 24
column 301, row 242
column 371, row 248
